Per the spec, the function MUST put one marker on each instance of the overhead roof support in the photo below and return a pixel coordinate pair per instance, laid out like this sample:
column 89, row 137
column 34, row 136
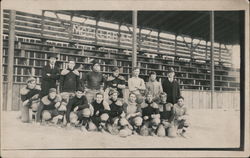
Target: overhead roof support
column 134, row 41
column 212, row 57
column 11, row 44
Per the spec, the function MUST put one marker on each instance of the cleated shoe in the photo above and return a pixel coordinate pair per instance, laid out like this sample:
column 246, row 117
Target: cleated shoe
column 83, row 129
column 185, row 135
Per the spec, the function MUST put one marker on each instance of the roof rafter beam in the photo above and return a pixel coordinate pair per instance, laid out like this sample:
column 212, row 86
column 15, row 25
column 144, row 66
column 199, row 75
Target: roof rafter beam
column 164, row 19
column 217, row 14
column 200, row 30
column 149, row 20
column 125, row 17
column 192, row 23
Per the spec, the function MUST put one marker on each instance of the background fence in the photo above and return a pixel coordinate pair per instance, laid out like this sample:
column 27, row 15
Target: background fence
column 195, row 99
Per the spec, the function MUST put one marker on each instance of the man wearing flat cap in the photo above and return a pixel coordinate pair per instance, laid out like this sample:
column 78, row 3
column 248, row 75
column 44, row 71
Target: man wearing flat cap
column 50, row 74
column 171, row 87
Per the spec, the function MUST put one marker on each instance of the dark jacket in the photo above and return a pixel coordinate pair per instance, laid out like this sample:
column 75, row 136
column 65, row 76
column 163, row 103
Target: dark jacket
column 30, row 94
column 69, row 80
column 115, row 110
column 82, row 103
column 93, row 80
column 47, row 104
column 99, row 107
column 113, row 82
column 48, row 82
column 150, row 109
column 166, row 114
column 172, row 89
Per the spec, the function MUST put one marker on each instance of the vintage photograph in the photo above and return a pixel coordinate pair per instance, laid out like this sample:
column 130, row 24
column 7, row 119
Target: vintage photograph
column 123, row 80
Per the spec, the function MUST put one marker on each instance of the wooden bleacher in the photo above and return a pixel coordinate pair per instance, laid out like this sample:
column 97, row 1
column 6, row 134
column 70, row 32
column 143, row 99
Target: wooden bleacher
column 34, row 41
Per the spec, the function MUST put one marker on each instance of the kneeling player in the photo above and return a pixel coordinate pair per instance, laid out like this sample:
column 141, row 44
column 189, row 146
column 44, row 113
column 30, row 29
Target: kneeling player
column 100, row 115
column 116, row 107
column 181, row 117
column 166, row 113
column 30, row 99
column 133, row 113
column 150, row 114
column 48, row 108
column 116, row 111
column 78, row 110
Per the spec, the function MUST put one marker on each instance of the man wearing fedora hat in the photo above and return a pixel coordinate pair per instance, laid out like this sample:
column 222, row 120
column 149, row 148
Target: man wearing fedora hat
column 50, row 74
column 171, row 87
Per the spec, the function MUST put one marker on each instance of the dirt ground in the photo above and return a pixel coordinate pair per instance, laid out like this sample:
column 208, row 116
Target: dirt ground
column 209, row 129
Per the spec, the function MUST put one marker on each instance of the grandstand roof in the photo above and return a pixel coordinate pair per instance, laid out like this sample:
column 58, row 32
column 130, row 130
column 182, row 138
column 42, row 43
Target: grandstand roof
column 194, row 24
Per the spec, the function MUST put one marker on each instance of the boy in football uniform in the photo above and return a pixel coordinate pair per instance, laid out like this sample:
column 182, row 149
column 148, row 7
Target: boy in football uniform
column 30, row 99
column 116, row 82
column 78, row 110
column 150, row 114
column 133, row 113
column 116, row 107
column 101, row 110
column 166, row 109
column 69, row 79
column 93, row 82
column 116, row 111
column 181, row 117
column 48, row 108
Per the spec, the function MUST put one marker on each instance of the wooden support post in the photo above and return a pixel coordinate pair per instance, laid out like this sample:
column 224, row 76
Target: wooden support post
column 70, row 32
column 175, row 45
column 96, row 30
column 140, row 39
column 191, row 50
column 71, row 28
column 206, row 57
column 119, row 36
column 230, row 52
column 158, row 42
column 11, row 49
column 134, row 41
column 115, row 62
column 212, row 57
column 220, row 53
column 42, row 27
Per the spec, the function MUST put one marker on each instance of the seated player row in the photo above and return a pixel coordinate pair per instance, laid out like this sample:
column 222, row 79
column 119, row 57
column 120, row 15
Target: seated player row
column 116, row 116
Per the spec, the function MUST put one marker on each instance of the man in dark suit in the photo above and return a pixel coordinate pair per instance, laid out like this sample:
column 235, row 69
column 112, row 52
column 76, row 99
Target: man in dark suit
column 171, row 87
column 50, row 74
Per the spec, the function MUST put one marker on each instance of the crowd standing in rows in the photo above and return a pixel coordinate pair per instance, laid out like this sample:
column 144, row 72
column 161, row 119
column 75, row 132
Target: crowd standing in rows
column 151, row 108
